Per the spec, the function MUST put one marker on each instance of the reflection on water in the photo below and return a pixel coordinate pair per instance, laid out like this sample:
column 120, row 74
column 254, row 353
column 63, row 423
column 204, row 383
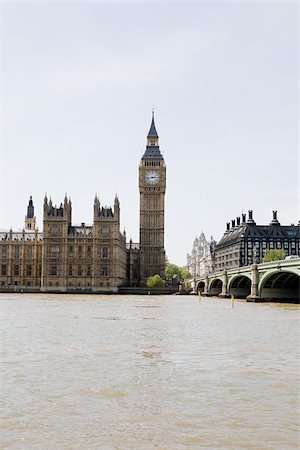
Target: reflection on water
column 153, row 372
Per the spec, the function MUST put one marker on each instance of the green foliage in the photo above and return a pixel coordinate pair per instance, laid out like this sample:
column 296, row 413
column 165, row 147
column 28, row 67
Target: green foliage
column 173, row 270
column 155, row 281
column 185, row 274
column 274, row 255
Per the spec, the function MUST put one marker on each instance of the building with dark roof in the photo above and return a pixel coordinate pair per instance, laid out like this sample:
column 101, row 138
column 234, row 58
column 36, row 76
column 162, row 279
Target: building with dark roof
column 244, row 242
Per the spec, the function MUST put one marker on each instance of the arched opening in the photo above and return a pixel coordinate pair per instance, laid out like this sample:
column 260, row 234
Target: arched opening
column 200, row 287
column 215, row 287
column 281, row 286
column 240, row 287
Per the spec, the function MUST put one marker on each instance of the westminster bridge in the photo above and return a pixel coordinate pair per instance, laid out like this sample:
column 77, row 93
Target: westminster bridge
column 258, row 282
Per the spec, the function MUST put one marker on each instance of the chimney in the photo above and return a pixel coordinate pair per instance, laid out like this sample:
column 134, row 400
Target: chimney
column 233, row 224
column 227, row 226
column 274, row 220
column 243, row 218
column 250, row 217
column 238, row 221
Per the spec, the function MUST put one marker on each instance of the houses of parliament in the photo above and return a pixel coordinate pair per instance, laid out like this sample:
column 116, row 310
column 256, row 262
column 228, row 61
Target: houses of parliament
column 66, row 257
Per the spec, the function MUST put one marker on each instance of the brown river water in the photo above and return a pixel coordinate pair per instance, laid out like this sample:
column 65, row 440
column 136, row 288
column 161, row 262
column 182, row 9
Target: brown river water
column 148, row 372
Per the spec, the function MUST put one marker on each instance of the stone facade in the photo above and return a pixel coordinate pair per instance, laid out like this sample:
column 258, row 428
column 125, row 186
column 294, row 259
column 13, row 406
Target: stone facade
column 200, row 260
column 66, row 257
column 89, row 257
column 152, row 186
column 21, row 259
column 95, row 258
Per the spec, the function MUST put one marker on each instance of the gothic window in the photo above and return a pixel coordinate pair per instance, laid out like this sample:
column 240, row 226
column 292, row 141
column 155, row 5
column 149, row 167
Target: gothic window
column 28, row 270
column 105, row 231
column 3, row 269
column 88, row 271
column 80, row 251
column 53, row 270
column 54, row 251
column 55, row 230
column 16, row 270
column 104, row 252
column 17, row 251
column 29, row 251
column 4, row 251
column 71, row 249
column 89, row 251
column 104, row 271
column 70, row 271
column 79, row 271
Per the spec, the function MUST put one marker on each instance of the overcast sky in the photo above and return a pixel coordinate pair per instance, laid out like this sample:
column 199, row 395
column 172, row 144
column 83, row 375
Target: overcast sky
column 78, row 81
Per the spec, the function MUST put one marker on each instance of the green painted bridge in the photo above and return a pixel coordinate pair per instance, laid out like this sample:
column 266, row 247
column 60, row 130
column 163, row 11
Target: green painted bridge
column 258, row 282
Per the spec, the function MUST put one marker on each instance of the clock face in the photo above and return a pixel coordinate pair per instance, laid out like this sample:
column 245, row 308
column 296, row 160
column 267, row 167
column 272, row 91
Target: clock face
column 152, row 177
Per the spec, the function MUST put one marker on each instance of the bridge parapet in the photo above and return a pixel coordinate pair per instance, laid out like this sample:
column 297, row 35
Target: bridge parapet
column 257, row 273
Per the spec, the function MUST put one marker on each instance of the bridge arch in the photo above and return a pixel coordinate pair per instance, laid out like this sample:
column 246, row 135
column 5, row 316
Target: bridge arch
column 280, row 284
column 200, row 287
column 215, row 286
column 240, row 285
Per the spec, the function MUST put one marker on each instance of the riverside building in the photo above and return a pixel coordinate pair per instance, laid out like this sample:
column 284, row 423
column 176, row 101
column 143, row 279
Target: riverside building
column 244, row 242
column 65, row 257
column 201, row 259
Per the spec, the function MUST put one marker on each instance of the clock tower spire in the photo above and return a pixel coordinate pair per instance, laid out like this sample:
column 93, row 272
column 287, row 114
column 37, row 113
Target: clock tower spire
column 152, row 186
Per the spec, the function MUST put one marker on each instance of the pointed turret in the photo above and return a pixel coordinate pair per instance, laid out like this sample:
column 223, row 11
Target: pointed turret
column 30, row 218
column 117, row 207
column 152, row 148
column 152, row 132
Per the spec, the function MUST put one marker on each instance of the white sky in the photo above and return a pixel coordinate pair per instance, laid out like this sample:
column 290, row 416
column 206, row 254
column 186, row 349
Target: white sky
column 78, row 81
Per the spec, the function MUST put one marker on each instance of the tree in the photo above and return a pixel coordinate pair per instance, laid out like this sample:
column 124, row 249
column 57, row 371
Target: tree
column 172, row 270
column 155, row 281
column 274, row 255
column 185, row 274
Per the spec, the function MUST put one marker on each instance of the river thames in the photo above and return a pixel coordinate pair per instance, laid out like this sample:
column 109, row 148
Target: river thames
column 148, row 372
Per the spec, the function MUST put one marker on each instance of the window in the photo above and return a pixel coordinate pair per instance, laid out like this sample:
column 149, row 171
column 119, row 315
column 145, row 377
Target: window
column 104, row 271
column 4, row 251
column 16, row 270
column 29, row 251
column 55, row 230
column 104, row 252
column 88, row 271
column 105, row 231
column 53, row 270
column 3, row 269
column 89, row 252
column 80, row 251
column 71, row 249
column 17, row 251
column 79, row 271
column 70, row 271
column 54, row 251
column 28, row 270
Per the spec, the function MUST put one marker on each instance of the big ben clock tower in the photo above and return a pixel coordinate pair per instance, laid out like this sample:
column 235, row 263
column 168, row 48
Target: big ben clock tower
column 152, row 185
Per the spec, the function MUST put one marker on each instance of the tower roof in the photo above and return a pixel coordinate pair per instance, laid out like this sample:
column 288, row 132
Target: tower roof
column 30, row 209
column 152, row 131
